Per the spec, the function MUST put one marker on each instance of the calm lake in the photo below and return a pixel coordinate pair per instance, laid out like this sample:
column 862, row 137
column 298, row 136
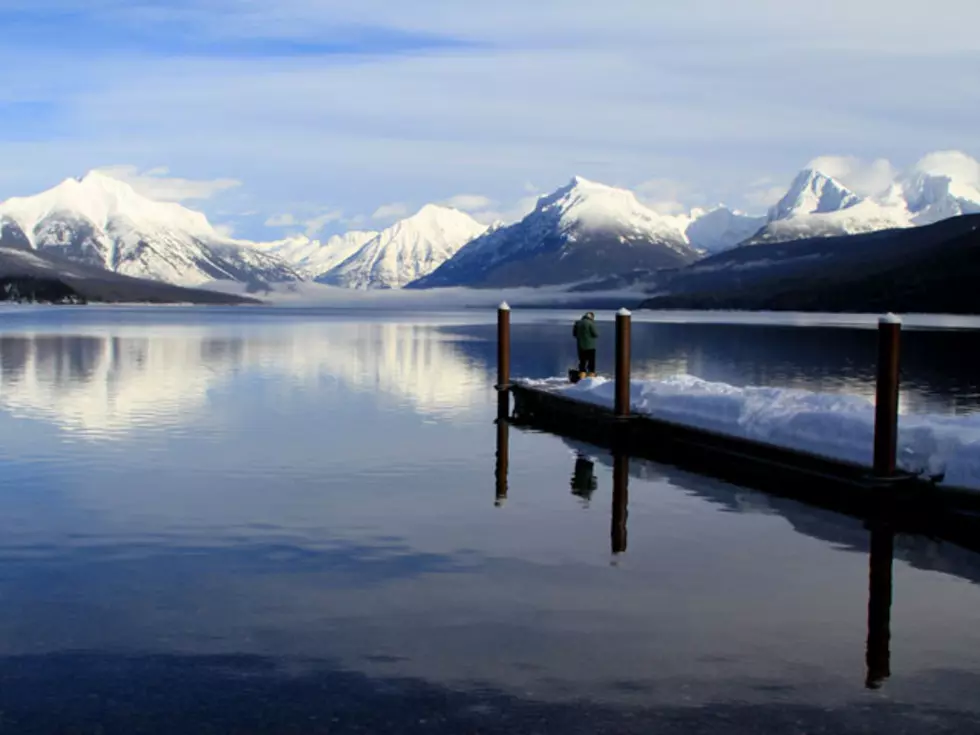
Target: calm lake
column 264, row 520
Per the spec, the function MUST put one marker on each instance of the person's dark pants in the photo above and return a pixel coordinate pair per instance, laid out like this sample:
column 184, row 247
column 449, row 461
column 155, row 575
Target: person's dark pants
column 586, row 361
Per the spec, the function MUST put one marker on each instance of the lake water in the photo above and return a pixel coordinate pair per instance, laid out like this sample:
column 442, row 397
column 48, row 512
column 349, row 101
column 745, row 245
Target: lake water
column 287, row 521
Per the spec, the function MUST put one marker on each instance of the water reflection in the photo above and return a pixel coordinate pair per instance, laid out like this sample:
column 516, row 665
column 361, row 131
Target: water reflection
column 108, row 375
column 620, row 502
column 584, row 482
column 316, row 528
column 881, row 558
column 880, row 535
column 107, row 384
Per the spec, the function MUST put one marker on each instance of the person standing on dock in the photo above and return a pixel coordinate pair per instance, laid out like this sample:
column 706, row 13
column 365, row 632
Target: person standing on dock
column 586, row 336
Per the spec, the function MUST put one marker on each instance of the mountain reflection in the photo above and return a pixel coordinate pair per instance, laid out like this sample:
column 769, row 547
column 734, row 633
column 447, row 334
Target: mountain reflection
column 104, row 384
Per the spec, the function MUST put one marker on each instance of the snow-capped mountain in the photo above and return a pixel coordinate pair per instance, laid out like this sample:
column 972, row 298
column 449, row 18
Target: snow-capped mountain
column 581, row 231
column 720, row 228
column 941, row 185
column 406, row 251
column 817, row 205
column 813, row 192
column 101, row 221
column 312, row 258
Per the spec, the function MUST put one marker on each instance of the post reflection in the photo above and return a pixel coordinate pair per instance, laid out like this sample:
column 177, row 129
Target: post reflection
column 584, row 482
column 878, row 657
column 503, row 448
column 620, row 502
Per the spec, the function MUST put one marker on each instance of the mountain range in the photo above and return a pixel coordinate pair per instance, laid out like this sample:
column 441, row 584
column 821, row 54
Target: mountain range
column 584, row 233
column 579, row 232
column 100, row 221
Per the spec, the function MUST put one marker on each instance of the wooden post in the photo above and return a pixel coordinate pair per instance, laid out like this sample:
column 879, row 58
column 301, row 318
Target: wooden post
column 503, row 346
column 503, row 458
column 886, row 402
column 623, row 329
column 878, row 656
column 620, row 503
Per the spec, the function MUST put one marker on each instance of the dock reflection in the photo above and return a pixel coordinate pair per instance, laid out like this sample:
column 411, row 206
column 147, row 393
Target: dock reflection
column 502, row 465
column 584, row 485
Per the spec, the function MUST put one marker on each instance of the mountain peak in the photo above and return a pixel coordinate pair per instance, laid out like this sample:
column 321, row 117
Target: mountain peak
column 102, row 221
column 941, row 185
column 431, row 212
column 813, row 192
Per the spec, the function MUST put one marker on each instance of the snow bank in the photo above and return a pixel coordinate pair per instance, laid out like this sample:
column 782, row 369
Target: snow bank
column 945, row 448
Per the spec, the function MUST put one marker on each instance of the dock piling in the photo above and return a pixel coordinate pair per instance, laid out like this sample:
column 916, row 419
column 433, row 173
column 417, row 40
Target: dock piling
column 886, row 401
column 503, row 347
column 623, row 338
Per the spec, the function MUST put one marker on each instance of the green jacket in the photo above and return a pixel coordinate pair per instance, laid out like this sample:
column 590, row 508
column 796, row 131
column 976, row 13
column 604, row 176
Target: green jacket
column 585, row 333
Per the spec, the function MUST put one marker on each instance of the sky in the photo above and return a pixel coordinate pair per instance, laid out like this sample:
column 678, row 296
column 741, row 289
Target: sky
column 318, row 116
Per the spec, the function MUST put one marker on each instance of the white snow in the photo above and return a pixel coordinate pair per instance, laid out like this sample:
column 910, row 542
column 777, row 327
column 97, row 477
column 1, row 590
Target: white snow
column 720, row 228
column 313, row 258
column 104, row 222
column 813, row 192
column 941, row 185
column 946, row 448
column 408, row 250
column 101, row 199
column 588, row 205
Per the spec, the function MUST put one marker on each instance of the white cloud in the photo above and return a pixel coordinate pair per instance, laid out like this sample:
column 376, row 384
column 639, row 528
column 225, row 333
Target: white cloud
column 156, row 184
column 866, row 178
column 392, row 211
column 667, row 196
column 311, row 226
column 955, row 164
column 315, row 224
column 763, row 193
column 555, row 96
column 469, row 202
column 523, row 207
column 226, row 230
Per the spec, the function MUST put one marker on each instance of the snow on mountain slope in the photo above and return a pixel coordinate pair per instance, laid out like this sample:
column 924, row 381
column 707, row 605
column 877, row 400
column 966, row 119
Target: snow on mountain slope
column 818, row 205
column 581, row 231
column 101, row 221
column 406, row 251
column 721, row 228
column 813, row 192
column 311, row 258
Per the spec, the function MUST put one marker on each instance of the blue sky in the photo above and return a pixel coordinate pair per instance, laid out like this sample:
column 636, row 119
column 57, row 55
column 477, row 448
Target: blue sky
column 318, row 114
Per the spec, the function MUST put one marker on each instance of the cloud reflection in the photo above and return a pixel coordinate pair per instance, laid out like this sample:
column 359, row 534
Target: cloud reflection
column 105, row 384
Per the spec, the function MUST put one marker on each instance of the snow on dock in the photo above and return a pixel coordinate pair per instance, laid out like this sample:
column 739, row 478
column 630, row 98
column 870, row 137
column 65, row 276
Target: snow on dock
column 944, row 448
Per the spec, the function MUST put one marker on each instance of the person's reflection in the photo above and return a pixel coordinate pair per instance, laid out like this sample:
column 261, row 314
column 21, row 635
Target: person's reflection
column 878, row 656
column 620, row 504
column 584, row 482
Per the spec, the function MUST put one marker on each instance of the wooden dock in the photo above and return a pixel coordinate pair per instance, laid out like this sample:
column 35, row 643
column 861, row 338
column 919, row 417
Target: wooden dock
column 864, row 491
column 915, row 504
